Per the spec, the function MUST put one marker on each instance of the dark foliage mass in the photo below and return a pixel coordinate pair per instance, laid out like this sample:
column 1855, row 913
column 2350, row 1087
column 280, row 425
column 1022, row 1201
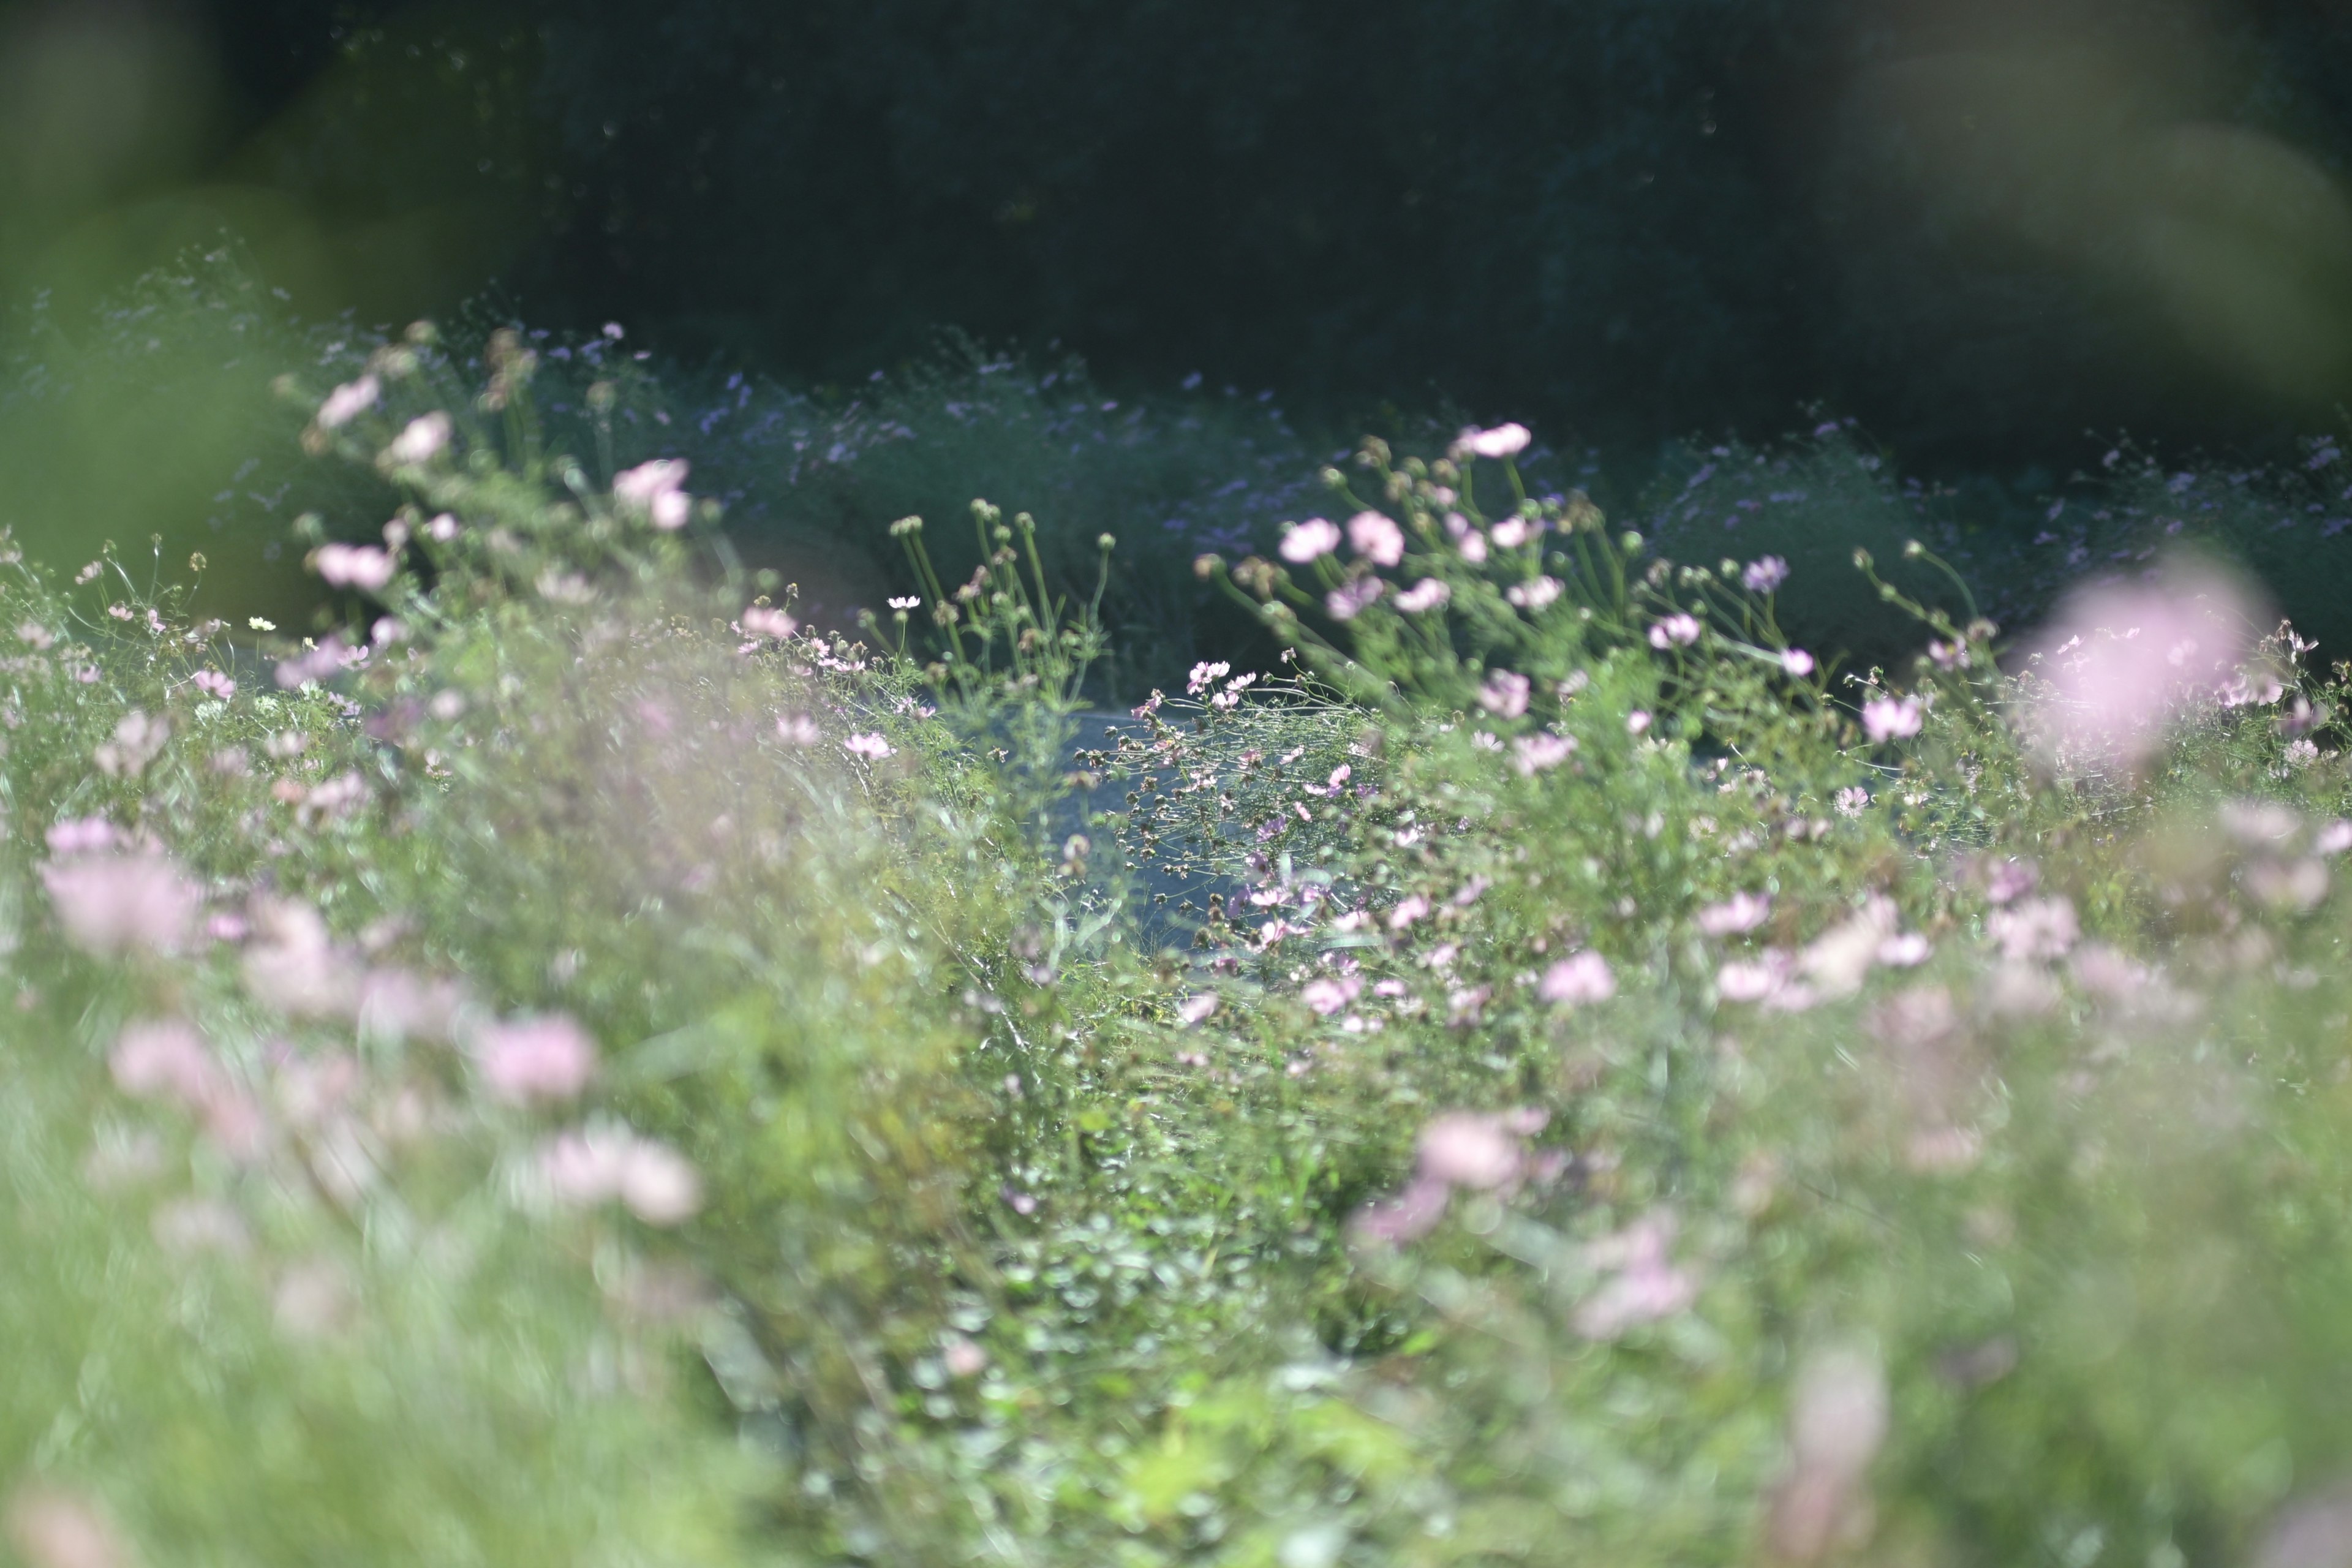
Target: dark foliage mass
column 1982, row 227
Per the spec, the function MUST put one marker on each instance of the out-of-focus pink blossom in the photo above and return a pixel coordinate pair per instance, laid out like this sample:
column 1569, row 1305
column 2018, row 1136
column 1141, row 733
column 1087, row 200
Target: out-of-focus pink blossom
column 1504, row 695
column 1637, row 722
column 1764, row 575
column 1796, row 662
column 872, row 748
column 1892, row 718
column 1534, row 753
column 48, row 1528
column 2259, row 824
column 655, row 491
column 2119, row 660
column 962, row 1358
column 360, row 567
column 764, row 621
column 1426, row 594
column 1410, row 907
column 1305, row 541
column 1753, row 980
column 1329, row 994
column 213, row 683
column 1907, row 950
column 651, row 1180
column 798, row 730
column 1677, row 630
column 2035, row 929
column 1466, row 1149
column 1502, row 441
column 2334, row 839
column 330, row 658
column 349, row 401
column 548, row 1058
column 112, row 905
column 294, row 966
column 1535, row 593
column 139, row 739
column 1349, row 600
column 1412, row 1213
column 1644, row 1286
column 1580, row 977
column 424, row 439
column 1740, row 912
column 81, row 835
column 1196, row 1009
column 1375, row 535
column 163, row 1058
column 1837, row 1420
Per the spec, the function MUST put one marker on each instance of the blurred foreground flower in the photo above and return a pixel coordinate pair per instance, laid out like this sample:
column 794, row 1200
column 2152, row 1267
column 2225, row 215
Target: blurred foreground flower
column 114, row 905
column 49, row 1529
column 1837, row 1420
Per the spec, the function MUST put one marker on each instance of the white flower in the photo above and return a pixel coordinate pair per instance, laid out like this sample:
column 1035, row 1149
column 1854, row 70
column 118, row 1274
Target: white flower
column 422, row 442
column 1503, row 441
column 1304, row 542
column 348, row 402
column 873, row 747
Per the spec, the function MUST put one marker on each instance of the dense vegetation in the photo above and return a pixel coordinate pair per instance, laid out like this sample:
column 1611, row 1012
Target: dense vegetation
column 573, row 1065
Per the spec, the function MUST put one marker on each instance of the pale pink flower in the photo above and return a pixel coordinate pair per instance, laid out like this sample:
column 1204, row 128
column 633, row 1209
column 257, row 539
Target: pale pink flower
column 1410, row 907
column 1536, row 752
column 1740, row 912
column 1535, row 593
column 442, row 529
column 1195, row 1010
column 963, row 1358
column 655, row 491
column 1305, row 541
column 1837, row 1421
column 1853, row 801
column 1891, row 718
column 1347, row 600
column 2334, row 839
column 1329, row 994
column 138, row 741
column 1580, row 977
column 2035, row 929
column 1466, row 1150
column 1637, row 722
column 1412, row 1213
column 1676, row 630
column 1503, row 441
column 349, row 401
column 2123, row 658
column 1643, row 1287
column 651, row 1180
column 658, row 1184
column 294, row 966
column 112, row 905
column 1376, row 535
column 1509, row 533
column 2011, row 880
column 2259, row 824
column 872, row 747
column 1504, row 695
column 1765, row 575
column 1797, row 662
column 360, row 567
column 81, row 835
column 1753, row 980
column 1907, row 950
column 163, row 1058
column 1205, row 674
column 1426, row 594
column 763, row 621
column 798, row 730
column 213, row 683
column 545, row 1058
column 52, row 1528
column 424, row 439
column 37, row 636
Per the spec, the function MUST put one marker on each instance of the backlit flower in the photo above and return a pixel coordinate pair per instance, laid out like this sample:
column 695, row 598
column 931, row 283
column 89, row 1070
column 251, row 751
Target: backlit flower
column 1305, row 541
column 1376, row 535
column 360, row 567
column 422, row 440
column 1891, row 718
column 1797, row 662
column 655, row 491
column 1426, row 594
column 1765, row 575
column 1504, row 695
column 1348, row 600
column 872, row 747
column 348, row 402
column 1503, row 441
column 1675, row 631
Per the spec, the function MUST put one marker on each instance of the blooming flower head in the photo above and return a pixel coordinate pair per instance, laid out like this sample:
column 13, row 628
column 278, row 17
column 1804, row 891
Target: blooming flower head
column 348, row 402
column 872, row 747
column 162, row 1059
column 1413, row 907
column 908, row 601
column 1205, row 674
column 1797, row 662
column 1305, row 541
column 1504, row 695
column 766, row 621
column 1891, row 718
column 1503, row 441
column 1376, row 535
column 1510, row 533
column 1740, row 912
column 547, row 1057
column 424, row 439
column 1765, row 575
column 1580, row 977
column 1347, row 600
column 116, row 904
column 654, row 490
column 362, row 566
column 1329, row 994
column 1675, row 631
column 1426, row 594
column 1642, row 1286
column 1466, row 1150
column 213, row 683
column 1535, row 593
column 1534, row 753
column 650, row 1179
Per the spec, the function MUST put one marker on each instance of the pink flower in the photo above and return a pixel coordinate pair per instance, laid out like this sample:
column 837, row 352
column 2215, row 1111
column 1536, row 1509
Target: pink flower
column 1797, row 662
column 1853, row 801
column 360, row 567
column 651, row 1180
column 1891, row 718
column 81, row 835
column 1765, row 575
column 1465, row 1149
column 424, row 439
column 2037, row 927
column 1205, row 674
column 213, row 683
column 1349, row 600
column 1637, row 722
column 51, row 1529
column 112, row 905
column 546, row 1058
column 1426, row 594
column 659, row 1186
column 1374, row 534
column 1675, row 631
column 1536, row 752
column 1645, row 1286
column 1503, row 441
column 1905, row 951
column 872, row 747
column 1535, row 593
column 1504, row 695
column 1195, row 1010
column 1409, row 1215
column 2120, row 660
column 655, row 491
column 762, row 621
column 162, row 1059
column 1580, row 977
column 963, row 1358
column 2334, row 839
column 1329, row 995
column 1757, row 981
column 1740, row 912
column 1509, row 533
column 138, row 741
column 348, row 402
column 1413, row 907
column 1305, row 541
